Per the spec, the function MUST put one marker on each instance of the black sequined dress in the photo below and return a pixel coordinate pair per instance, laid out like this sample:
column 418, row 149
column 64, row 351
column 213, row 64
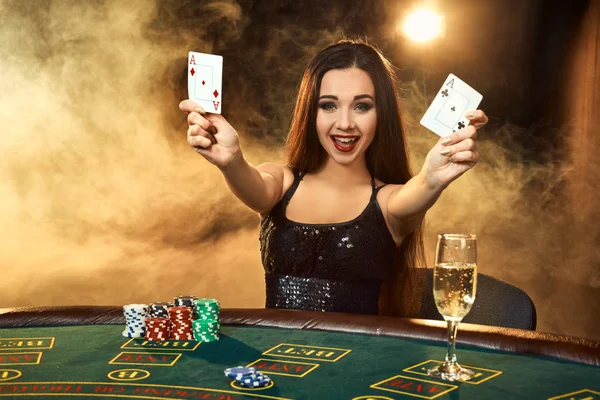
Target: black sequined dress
column 326, row 267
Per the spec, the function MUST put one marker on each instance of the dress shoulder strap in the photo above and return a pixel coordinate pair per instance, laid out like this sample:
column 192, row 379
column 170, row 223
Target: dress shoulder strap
column 375, row 188
column 298, row 175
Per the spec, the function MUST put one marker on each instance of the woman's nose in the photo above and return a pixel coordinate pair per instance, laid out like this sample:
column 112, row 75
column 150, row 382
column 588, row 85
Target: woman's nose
column 344, row 121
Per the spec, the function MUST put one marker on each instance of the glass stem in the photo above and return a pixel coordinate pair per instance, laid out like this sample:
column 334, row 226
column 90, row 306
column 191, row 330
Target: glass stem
column 450, row 354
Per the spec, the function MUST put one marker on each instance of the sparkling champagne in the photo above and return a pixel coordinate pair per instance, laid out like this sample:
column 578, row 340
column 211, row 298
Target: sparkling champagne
column 454, row 287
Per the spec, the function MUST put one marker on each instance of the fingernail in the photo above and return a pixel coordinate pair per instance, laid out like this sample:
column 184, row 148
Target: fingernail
column 470, row 114
column 445, row 152
column 446, row 140
column 200, row 110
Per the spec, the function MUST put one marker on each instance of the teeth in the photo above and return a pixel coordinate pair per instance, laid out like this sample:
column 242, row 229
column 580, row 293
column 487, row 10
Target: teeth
column 345, row 140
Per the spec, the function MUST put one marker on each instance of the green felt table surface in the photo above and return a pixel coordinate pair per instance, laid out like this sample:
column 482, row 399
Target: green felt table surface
column 94, row 361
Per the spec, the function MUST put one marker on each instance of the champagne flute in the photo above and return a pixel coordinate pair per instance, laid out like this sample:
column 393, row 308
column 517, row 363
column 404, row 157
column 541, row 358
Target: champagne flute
column 454, row 287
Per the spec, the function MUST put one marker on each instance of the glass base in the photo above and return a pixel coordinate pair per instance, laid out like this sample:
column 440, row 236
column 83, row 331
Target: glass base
column 451, row 372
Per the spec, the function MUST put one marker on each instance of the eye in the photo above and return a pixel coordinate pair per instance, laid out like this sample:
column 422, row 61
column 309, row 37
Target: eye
column 327, row 106
column 364, row 107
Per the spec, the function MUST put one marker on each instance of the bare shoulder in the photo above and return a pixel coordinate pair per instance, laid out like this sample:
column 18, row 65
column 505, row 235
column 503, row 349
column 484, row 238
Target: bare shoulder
column 385, row 192
column 282, row 174
column 278, row 178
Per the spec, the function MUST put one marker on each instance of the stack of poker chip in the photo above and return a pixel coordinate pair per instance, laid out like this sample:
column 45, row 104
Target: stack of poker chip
column 247, row 377
column 185, row 301
column 135, row 318
column 158, row 329
column 181, row 322
column 208, row 324
column 160, row 310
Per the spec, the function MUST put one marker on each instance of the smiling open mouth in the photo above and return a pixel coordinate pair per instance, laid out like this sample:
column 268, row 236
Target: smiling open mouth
column 345, row 143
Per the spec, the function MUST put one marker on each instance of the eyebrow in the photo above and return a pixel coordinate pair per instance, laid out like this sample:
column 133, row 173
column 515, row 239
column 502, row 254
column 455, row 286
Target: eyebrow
column 359, row 97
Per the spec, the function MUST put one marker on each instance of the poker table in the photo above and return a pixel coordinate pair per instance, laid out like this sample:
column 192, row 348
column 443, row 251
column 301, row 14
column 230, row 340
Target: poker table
column 79, row 352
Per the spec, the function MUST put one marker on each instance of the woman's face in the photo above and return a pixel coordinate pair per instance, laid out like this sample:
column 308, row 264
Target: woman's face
column 346, row 114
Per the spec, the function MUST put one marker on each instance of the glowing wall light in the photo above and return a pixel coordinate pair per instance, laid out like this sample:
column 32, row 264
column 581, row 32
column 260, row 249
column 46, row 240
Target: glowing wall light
column 423, row 25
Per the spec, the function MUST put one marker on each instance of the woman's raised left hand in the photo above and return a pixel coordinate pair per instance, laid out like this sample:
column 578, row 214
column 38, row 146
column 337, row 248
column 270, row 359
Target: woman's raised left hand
column 455, row 154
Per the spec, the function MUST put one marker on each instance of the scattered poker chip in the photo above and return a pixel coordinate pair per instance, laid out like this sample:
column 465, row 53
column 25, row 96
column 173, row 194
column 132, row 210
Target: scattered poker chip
column 248, row 377
column 239, row 372
column 254, row 383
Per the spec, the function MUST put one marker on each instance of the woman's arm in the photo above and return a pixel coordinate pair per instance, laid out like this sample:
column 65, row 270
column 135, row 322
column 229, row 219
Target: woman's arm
column 260, row 188
column 451, row 157
column 217, row 141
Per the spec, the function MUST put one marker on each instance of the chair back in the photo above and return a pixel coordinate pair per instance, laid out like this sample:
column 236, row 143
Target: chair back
column 497, row 303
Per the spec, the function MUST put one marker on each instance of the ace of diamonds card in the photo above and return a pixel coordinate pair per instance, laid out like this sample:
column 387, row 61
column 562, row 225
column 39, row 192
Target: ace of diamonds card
column 205, row 73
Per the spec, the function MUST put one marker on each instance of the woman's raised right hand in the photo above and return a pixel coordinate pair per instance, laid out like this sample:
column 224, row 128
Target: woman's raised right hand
column 210, row 135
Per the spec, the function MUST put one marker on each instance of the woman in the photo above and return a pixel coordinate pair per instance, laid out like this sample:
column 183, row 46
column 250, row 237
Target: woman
column 340, row 223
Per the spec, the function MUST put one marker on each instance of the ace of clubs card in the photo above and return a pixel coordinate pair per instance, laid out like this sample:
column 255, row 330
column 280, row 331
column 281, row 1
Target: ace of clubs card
column 205, row 73
column 446, row 114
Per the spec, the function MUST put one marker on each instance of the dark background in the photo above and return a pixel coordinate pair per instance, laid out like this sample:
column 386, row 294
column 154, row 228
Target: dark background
column 103, row 202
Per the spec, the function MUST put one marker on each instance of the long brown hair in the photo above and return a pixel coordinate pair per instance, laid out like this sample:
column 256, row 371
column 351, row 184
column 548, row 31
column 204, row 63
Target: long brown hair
column 386, row 157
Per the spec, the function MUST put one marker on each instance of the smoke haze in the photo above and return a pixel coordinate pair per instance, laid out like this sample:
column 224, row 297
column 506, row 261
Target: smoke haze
column 103, row 202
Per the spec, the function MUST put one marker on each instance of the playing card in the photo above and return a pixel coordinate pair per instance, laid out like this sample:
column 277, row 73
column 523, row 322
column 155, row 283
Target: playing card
column 205, row 73
column 446, row 114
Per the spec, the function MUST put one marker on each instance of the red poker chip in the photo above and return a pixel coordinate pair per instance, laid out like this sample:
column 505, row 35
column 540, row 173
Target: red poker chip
column 180, row 310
